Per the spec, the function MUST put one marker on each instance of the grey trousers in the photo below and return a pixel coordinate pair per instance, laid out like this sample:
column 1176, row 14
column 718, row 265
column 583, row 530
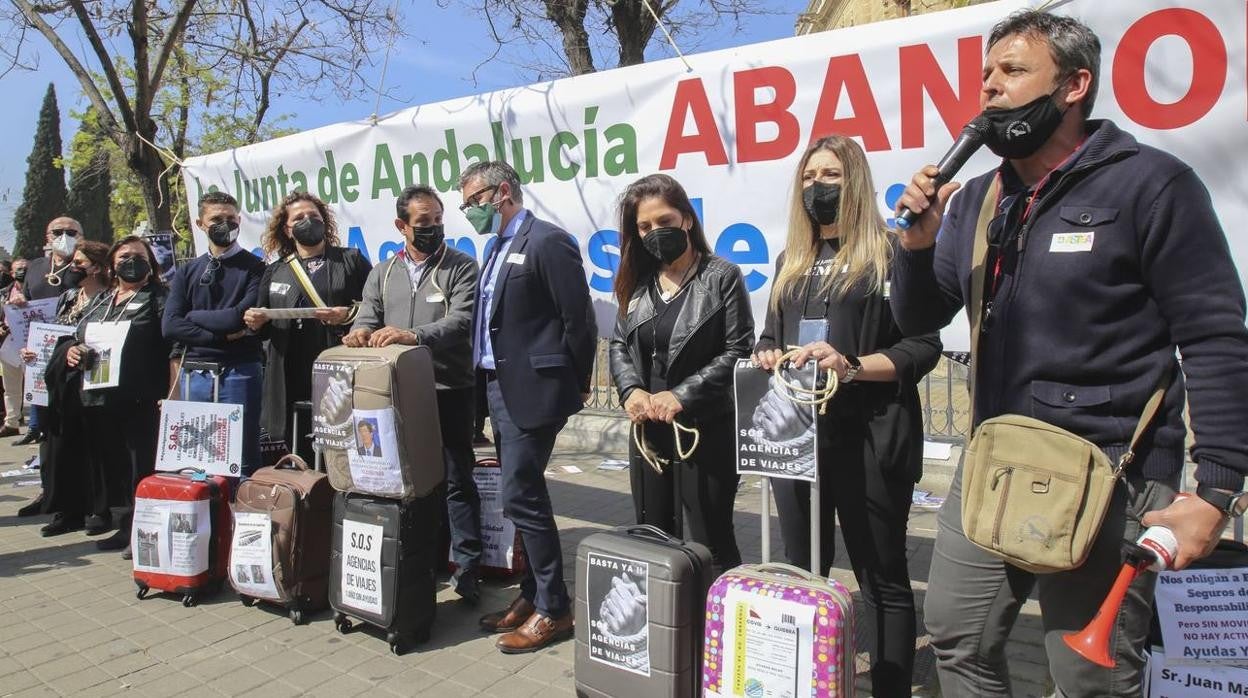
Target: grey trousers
column 974, row 597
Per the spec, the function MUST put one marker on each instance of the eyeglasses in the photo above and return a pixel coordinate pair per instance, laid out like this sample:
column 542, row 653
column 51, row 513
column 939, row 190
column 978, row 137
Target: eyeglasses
column 210, row 272
column 472, row 198
column 64, row 231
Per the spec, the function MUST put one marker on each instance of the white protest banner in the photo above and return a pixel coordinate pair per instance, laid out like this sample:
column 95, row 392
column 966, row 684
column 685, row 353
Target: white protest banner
column 374, row 456
column 251, row 555
column 41, row 339
column 1204, row 615
column 361, row 566
column 18, row 319
column 204, row 435
column 106, row 340
column 1167, row 680
column 732, row 128
column 498, row 533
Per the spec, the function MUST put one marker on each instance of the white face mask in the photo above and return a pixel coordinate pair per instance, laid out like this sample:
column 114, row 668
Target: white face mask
column 64, row 244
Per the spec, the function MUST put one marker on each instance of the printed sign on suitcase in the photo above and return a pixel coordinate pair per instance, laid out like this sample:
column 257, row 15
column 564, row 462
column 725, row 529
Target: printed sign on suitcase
column 361, row 566
column 766, row 645
column 171, row 537
column 374, row 456
column 619, row 621
column 203, row 435
column 332, row 383
column 251, row 555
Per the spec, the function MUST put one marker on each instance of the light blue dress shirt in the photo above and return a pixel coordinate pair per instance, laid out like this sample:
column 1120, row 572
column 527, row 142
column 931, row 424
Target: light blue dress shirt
column 483, row 347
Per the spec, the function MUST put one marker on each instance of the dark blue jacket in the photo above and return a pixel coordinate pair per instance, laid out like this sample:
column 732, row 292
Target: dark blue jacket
column 1080, row 338
column 542, row 326
column 199, row 316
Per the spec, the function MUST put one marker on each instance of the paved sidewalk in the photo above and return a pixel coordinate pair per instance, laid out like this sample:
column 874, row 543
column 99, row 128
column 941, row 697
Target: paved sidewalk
column 74, row 627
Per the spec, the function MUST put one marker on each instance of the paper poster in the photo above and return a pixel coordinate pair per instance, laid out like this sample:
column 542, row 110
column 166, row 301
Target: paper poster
column 374, row 454
column 106, row 341
column 361, row 566
column 498, row 533
column 767, row 646
column 1167, row 680
column 162, row 247
column 619, row 613
column 203, row 435
column 1204, row 615
column 251, row 555
column 171, row 537
column 776, row 437
column 332, row 385
column 18, row 320
column 41, row 339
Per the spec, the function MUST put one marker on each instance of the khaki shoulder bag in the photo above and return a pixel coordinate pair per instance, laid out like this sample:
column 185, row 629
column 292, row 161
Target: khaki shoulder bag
column 1032, row 493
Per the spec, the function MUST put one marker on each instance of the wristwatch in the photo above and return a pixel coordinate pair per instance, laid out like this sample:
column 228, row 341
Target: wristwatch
column 854, row 367
column 1229, row 503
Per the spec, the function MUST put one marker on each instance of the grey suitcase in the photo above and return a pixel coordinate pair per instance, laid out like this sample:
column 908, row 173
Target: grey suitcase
column 640, row 595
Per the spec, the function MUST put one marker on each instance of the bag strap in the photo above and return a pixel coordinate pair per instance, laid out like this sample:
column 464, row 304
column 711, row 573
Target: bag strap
column 305, row 283
column 979, row 256
column 1151, row 408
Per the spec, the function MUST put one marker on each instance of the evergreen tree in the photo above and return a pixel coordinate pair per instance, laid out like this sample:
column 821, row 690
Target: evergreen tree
column 44, row 196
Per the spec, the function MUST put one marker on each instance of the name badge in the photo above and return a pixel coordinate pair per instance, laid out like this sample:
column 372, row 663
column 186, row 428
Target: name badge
column 515, row 258
column 812, row 330
column 888, row 289
column 1072, row 242
column 134, row 305
column 632, row 305
column 279, row 288
column 435, row 298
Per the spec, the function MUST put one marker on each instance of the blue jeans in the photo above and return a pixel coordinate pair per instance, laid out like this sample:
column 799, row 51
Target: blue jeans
column 241, row 384
column 35, row 412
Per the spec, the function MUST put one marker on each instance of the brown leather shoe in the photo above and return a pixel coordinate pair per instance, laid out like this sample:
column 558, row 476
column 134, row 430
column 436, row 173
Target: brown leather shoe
column 537, row 632
column 508, row 619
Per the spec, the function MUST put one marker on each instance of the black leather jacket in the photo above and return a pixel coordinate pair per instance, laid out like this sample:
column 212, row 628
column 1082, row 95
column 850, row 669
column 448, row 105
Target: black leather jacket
column 715, row 327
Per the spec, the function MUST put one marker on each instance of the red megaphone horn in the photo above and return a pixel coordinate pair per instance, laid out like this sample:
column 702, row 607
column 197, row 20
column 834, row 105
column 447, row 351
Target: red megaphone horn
column 1092, row 642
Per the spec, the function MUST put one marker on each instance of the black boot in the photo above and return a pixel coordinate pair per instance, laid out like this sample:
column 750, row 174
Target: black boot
column 97, row 525
column 35, row 508
column 60, row 524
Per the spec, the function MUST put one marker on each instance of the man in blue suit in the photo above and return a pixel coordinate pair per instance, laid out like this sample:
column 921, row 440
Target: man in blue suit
column 534, row 340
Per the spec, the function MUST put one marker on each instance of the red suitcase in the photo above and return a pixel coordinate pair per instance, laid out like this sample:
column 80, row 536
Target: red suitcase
column 180, row 539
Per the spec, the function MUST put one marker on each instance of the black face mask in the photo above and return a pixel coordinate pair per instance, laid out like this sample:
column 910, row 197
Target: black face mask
column 1019, row 132
column 666, row 244
column 223, row 234
column 309, row 232
column 19, row 275
column 822, row 202
column 427, row 240
column 133, row 269
column 5, row 278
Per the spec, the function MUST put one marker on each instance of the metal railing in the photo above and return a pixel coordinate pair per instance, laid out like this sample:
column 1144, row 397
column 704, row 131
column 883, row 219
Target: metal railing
column 946, row 413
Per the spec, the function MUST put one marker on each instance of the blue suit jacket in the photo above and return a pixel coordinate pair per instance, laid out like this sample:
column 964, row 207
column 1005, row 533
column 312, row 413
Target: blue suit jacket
column 542, row 326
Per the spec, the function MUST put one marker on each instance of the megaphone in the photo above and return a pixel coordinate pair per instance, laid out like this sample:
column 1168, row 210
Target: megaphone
column 1156, row 550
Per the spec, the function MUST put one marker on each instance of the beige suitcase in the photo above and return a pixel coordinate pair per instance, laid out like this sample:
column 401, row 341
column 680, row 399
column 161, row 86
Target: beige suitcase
column 389, row 392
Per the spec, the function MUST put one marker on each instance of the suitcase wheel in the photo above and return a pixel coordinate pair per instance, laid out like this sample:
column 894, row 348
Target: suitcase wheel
column 188, row 600
column 396, row 647
column 141, row 593
column 342, row 623
column 296, row 616
column 247, row 600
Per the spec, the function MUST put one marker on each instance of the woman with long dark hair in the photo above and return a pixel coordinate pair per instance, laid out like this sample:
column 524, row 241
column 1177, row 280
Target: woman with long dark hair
column 684, row 322
column 309, row 270
column 122, row 421
column 829, row 297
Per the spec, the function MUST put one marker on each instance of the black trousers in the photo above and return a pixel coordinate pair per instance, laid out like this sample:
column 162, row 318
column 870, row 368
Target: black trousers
column 708, row 484
column 481, row 407
column 123, row 451
column 463, row 503
column 873, row 500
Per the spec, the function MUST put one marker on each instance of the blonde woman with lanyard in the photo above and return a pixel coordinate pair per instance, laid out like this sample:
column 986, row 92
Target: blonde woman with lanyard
column 121, row 422
column 829, row 297
column 684, row 322
column 310, row 272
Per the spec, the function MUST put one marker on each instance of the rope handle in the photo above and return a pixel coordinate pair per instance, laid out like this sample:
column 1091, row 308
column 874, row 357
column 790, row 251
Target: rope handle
column 800, row 394
column 654, row 459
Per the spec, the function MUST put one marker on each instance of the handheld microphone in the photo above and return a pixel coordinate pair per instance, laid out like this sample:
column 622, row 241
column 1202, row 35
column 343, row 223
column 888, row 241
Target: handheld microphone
column 968, row 142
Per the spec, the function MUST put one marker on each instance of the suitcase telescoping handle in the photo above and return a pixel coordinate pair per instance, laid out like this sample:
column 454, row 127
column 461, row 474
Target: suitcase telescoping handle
column 211, row 367
column 815, row 526
column 682, row 456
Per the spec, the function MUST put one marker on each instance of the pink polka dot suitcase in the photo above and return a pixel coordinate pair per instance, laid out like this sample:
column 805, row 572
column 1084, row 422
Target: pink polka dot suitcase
column 777, row 631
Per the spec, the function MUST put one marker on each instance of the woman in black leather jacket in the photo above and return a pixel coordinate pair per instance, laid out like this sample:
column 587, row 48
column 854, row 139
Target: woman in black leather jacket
column 684, row 322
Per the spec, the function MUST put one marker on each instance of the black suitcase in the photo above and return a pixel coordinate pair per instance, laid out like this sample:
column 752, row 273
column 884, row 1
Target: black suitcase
column 646, row 640
column 382, row 565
